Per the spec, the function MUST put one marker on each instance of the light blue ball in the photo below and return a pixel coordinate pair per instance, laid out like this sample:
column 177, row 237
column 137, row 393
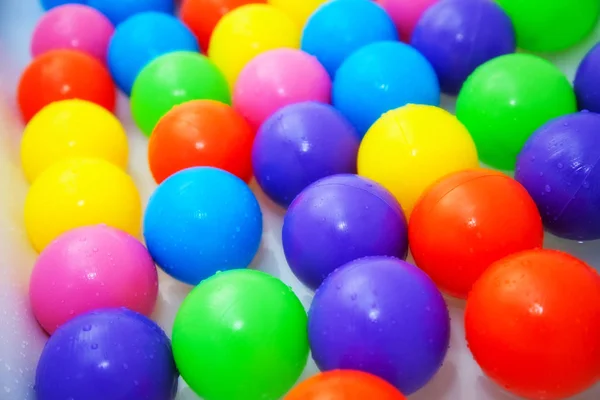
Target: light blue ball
column 140, row 40
column 118, row 11
column 381, row 77
column 200, row 221
column 339, row 27
column 48, row 4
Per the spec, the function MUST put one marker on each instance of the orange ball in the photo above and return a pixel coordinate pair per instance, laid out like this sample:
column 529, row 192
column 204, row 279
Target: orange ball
column 201, row 133
column 61, row 75
column 466, row 221
column 201, row 16
column 344, row 385
column 533, row 324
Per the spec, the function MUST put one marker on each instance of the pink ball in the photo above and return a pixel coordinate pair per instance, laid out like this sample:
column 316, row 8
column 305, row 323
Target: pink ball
column 73, row 26
column 406, row 14
column 89, row 268
column 277, row 78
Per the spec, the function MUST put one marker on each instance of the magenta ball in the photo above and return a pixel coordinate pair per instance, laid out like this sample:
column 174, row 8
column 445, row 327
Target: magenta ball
column 300, row 144
column 73, row 26
column 339, row 219
column 277, row 78
column 89, row 268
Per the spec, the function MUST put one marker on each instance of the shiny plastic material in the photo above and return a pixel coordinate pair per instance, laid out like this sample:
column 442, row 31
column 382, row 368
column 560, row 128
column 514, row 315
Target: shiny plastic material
column 587, row 81
column 119, row 11
column 299, row 10
column 466, row 221
column 241, row 335
column 506, row 99
column 406, row 14
column 532, row 324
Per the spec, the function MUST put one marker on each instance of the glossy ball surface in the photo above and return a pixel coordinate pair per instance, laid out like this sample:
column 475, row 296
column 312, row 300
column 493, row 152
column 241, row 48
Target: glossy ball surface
column 121, row 10
column 587, row 81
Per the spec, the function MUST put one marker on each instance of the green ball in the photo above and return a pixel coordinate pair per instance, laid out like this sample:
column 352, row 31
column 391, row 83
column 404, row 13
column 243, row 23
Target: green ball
column 506, row 99
column 551, row 25
column 241, row 334
column 172, row 79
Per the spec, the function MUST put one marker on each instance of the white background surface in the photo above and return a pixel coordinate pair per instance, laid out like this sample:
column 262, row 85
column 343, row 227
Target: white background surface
column 21, row 340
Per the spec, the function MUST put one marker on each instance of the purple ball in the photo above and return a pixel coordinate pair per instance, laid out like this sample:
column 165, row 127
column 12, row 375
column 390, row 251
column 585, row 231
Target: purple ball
column 587, row 81
column 559, row 168
column 114, row 354
column 339, row 219
column 457, row 36
column 383, row 316
column 300, row 144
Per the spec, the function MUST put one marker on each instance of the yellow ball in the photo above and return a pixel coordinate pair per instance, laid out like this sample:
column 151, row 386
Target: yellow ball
column 248, row 31
column 411, row 147
column 72, row 128
column 299, row 10
column 78, row 192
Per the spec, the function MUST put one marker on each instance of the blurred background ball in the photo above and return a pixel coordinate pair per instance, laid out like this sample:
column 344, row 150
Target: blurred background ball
column 553, row 352
column 121, row 10
column 338, row 219
column 558, row 167
column 300, row 144
column 506, row 99
column 201, row 221
column 380, row 77
column 383, row 316
column 243, row 324
column 107, row 354
column 331, row 33
column 485, row 216
column 48, row 4
column 587, row 81
column 457, row 36
column 406, row 14
column 277, row 78
column 299, row 10
column 89, row 268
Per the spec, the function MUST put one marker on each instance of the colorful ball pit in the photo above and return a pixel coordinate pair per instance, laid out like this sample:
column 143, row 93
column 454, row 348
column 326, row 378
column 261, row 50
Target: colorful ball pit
column 406, row 14
column 587, row 81
column 121, row 10
column 299, row 10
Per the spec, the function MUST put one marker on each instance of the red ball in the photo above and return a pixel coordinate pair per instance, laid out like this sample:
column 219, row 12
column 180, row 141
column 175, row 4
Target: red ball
column 201, row 133
column 344, row 385
column 468, row 220
column 61, row 75
column 533, row 324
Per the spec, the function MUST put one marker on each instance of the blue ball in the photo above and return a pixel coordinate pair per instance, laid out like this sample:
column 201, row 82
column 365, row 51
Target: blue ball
column 48, row 4
column 381, row 77
column 141, row 39
column 340, row 27
column 119, row 10
column 200, row 221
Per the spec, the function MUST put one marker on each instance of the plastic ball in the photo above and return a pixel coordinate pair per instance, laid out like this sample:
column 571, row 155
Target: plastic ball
column 457, row 36
column 121, row 10
column 61, row 75
column 551, row 26
column 486, row 216
column 553, row 351
column 201, row 16
column 107, row 354
column 277, row 78
column 89, row 268
column 78, row 192
column 506, row 99
column 201, row 133
column 344, row 385
column 141, row 39
column 331, row 33
column 381, row 77
column 173, row 79
column 339, row 219
column 73, row 26
column 406, row 14
column 410, row 148
column 383, row 316
column 299, row 10
column 72, row 128
column 248, row 31
column 587, row 81
column 300, row 144
column 48, row 4
column 558, row 168
column 201, row 221
column 243, row 324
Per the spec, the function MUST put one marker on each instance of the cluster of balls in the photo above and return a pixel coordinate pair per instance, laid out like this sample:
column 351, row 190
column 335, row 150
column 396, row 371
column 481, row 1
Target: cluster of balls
column 333, row 107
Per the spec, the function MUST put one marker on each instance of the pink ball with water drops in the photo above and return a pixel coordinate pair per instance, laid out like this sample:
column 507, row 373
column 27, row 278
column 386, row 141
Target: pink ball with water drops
column 406, row 14
column 89, row 268
column 75, row 27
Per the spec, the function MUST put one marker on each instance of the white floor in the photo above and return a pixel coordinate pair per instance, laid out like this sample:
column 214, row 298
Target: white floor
column 20, row 338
